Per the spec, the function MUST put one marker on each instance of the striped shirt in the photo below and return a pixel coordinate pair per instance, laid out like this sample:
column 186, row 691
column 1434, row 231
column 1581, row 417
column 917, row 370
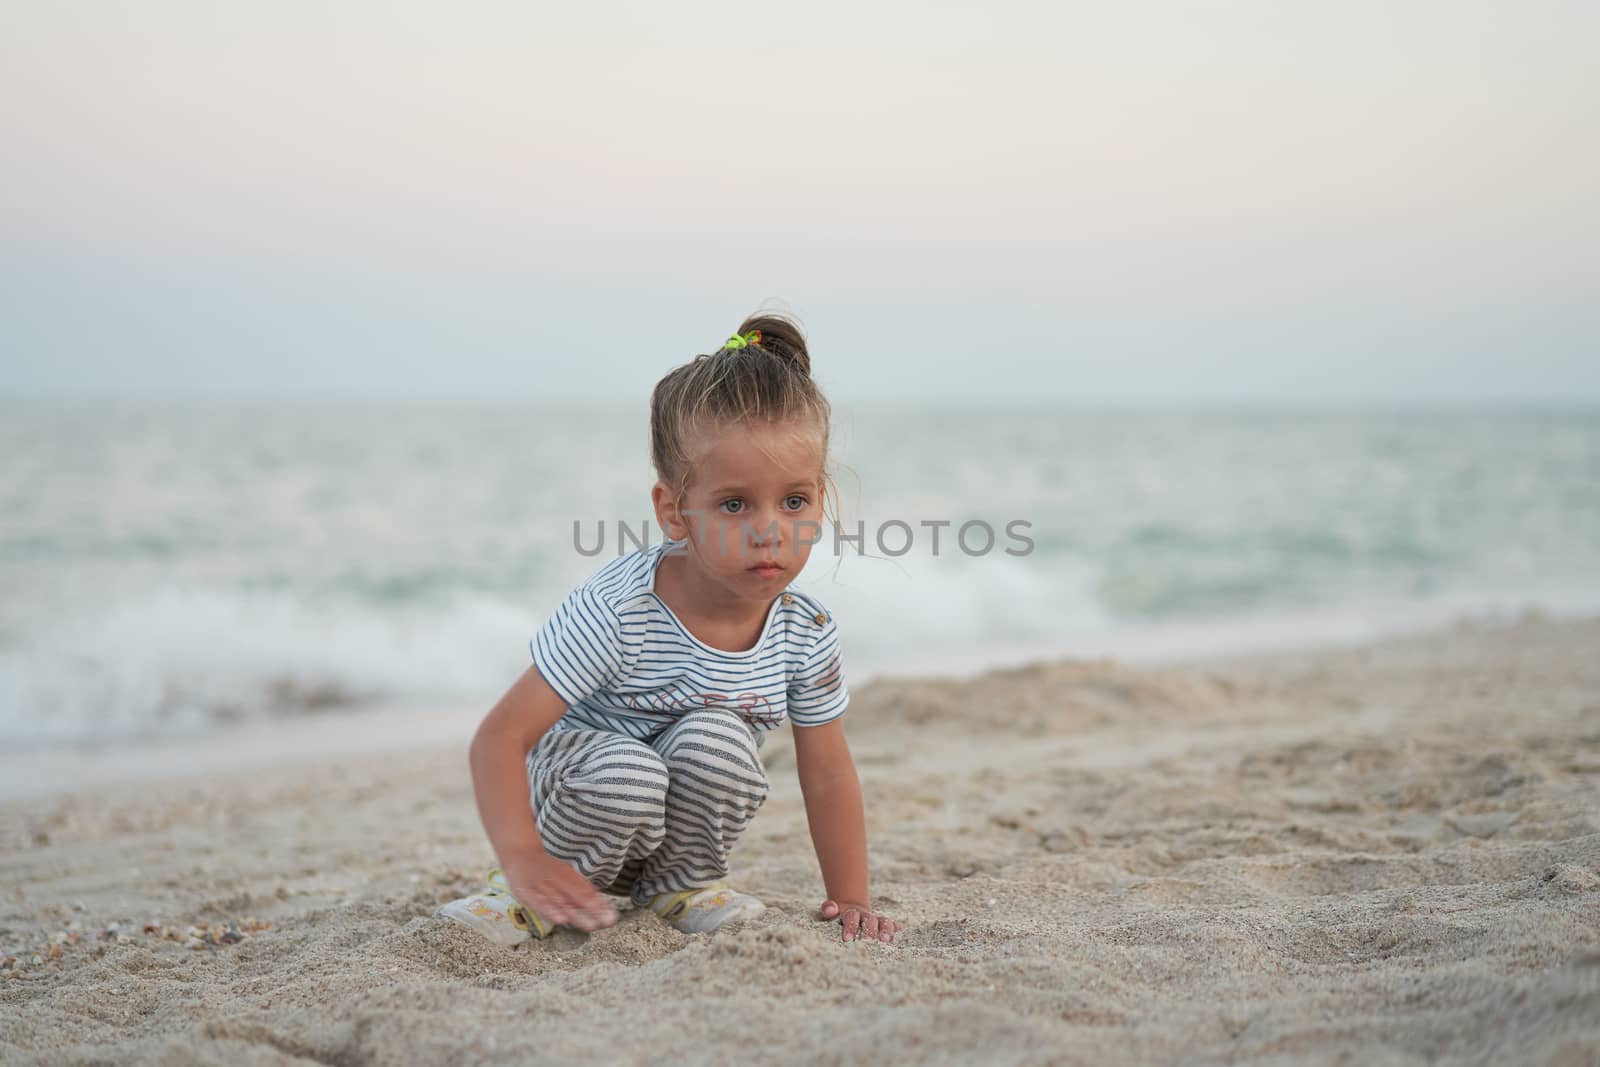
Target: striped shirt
column 623, row 662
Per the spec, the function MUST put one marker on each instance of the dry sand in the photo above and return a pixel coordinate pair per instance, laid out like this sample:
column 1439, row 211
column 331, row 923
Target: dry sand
column 1387, row 854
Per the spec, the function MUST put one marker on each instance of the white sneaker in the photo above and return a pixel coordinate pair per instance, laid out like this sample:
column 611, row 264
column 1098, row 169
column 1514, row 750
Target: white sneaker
column 703, row 909
column 495, row 914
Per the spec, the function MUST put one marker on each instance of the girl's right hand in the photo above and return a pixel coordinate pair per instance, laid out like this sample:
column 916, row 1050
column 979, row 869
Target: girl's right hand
column 554, row 888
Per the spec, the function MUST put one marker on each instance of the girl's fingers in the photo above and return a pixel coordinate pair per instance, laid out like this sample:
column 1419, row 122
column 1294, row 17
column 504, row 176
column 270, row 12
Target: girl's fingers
column 584, row 915
column 583, row 905
column 861, row 924
column 568, row 907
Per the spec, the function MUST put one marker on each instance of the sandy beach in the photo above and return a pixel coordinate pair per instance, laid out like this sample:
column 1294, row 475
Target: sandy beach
column 1386, row 854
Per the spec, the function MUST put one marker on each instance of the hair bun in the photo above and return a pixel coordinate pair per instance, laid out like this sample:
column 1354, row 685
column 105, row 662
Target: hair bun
column 777, row 335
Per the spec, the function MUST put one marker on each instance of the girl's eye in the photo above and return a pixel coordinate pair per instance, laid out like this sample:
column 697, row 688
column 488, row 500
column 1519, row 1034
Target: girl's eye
column 796, row 502
column 733, row 505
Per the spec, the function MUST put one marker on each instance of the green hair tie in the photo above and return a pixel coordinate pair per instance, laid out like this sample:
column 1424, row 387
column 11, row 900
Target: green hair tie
column 738, row 341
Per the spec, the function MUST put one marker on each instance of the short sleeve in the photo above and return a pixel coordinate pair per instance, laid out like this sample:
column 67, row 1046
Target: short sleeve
column 817, row 689
column 578, row 650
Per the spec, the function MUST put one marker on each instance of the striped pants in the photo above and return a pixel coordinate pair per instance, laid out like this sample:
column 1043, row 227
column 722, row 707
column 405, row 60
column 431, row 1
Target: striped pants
column 638, row 818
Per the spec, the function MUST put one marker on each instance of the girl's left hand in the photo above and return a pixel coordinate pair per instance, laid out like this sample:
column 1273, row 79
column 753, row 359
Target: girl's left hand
column 859, row 921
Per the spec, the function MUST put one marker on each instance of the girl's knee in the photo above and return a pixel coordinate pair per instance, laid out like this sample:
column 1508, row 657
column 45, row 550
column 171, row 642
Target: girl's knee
column 624, row 760
column 625, row 778
column 715, row 731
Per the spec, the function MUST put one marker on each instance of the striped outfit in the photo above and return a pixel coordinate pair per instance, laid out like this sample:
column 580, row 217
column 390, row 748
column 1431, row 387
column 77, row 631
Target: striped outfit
column 648, row 779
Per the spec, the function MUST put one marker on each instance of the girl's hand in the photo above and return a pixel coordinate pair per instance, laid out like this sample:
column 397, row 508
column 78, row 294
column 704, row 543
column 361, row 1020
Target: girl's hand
column 859, row 921
column 554, row 888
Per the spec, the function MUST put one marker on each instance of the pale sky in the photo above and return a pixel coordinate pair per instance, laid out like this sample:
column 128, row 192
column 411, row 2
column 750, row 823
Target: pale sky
column 1367, row 202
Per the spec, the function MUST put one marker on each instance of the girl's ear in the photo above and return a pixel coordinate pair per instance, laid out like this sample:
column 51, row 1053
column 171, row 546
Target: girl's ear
column 667, row 514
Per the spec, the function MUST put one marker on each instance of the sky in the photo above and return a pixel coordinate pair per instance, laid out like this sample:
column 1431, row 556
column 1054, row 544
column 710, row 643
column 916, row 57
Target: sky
column 1142, row 203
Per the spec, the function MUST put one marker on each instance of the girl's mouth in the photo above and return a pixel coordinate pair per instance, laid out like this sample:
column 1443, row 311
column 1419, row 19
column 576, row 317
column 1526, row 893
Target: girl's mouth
column 766, row 570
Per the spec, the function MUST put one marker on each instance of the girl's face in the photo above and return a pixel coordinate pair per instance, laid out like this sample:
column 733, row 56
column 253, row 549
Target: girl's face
column 753, row 507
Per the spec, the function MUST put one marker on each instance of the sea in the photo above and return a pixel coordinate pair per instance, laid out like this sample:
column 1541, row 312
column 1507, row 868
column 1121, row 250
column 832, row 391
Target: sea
column 176, row 569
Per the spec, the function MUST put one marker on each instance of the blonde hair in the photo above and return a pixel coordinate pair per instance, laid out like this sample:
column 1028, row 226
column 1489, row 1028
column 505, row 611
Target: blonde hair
column 766, row 381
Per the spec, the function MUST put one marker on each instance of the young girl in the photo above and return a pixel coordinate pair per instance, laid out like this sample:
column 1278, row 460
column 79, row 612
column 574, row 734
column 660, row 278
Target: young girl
column 625, row 760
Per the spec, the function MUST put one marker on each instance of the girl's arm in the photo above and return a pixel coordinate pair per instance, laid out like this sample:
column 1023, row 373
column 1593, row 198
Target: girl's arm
column 832, row 792
column 550, row 886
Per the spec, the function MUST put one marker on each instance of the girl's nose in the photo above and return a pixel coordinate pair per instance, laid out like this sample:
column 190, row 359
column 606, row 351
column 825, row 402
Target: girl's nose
column 767, row 529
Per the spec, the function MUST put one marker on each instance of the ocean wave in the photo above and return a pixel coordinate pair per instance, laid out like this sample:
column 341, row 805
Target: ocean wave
column 166, row 570
column 182, row 660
